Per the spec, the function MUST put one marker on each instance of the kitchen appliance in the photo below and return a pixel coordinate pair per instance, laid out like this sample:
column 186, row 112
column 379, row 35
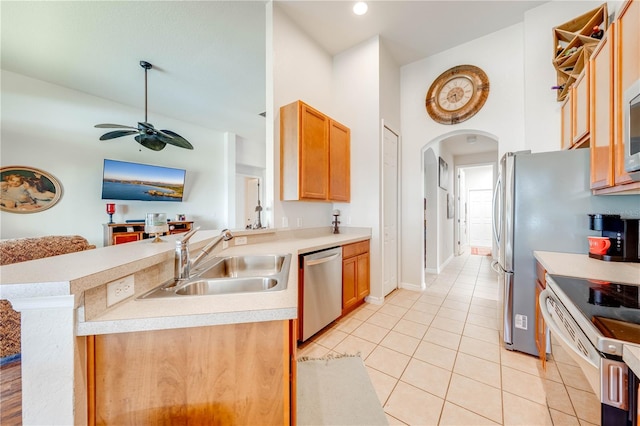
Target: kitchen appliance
column 321, row 290
column 541, row 202
column 631, row 130
column 592, row 321
column 622, row 234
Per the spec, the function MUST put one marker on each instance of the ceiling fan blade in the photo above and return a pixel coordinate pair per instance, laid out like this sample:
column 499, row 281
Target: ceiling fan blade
column 117, row 134
column 113, row 126
column 175, row 139
column 150, row 141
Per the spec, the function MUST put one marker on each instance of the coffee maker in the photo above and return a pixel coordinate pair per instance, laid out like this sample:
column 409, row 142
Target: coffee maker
column 623, row 234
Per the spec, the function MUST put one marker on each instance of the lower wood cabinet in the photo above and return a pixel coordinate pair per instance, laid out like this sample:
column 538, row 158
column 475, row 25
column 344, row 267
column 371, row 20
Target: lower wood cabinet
column 355, row 275
column 541, row 328
column 225, row 374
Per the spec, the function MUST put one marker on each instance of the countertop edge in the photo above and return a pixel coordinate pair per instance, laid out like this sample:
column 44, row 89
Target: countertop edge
column 86, row 328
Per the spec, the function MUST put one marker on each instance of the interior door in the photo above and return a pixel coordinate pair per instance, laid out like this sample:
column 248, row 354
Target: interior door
column 390, row 211
column 480, row 206
column 461, row 213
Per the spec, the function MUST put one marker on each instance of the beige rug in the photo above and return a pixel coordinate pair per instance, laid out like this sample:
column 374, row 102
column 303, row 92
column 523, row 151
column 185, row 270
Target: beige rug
column 336, row 390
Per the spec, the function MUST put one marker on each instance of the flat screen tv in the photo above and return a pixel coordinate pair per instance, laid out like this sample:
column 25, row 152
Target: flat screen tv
column 133, row 181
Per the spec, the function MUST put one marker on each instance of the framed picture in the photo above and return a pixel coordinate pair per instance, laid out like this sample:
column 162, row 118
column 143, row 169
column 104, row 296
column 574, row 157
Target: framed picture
column 450, row 206
column 28, row 190
column 443, row 174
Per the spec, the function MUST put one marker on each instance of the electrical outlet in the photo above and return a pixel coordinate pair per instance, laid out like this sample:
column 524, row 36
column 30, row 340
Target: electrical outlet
column 120, row 289
column 285, row 222
column 240, row 241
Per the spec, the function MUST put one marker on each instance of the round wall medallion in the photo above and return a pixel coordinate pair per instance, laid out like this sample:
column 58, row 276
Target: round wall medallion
column 457, row 94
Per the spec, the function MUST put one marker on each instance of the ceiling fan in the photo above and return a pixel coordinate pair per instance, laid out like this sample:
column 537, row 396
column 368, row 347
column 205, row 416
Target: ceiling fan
column 147, row 135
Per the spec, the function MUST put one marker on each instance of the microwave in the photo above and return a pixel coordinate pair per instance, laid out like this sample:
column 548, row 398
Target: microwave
column 631, row 130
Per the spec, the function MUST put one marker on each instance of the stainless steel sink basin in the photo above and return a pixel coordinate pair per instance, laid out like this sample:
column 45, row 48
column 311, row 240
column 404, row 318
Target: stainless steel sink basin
column 242, row 266
column 239, row 285
column 228, row 275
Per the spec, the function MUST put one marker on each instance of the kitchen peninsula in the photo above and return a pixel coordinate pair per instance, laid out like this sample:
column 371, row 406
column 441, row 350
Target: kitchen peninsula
column 65, row 319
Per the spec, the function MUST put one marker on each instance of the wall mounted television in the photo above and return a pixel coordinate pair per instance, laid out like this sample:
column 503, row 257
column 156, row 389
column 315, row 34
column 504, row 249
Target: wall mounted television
column 133, row 181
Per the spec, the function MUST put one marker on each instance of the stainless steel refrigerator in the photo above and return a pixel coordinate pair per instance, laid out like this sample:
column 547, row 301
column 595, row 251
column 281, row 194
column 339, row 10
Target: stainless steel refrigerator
column 541, row 202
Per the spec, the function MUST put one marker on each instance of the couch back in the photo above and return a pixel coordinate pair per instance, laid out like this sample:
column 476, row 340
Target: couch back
column 23, row 249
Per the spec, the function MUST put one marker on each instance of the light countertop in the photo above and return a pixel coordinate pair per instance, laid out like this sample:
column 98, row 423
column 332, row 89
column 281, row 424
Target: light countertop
column 582, row 266
column 83, row 271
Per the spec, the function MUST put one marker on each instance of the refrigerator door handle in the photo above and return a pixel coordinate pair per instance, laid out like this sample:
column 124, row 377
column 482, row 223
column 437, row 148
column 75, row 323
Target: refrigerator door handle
column 495, row 265
column 507, row 308
column 497, row 215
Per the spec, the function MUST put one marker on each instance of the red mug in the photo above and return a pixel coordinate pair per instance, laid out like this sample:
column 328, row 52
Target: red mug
column 599, row 245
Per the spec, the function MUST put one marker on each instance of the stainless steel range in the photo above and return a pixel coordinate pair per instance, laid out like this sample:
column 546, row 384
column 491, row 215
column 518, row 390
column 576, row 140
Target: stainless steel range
column 593, row 320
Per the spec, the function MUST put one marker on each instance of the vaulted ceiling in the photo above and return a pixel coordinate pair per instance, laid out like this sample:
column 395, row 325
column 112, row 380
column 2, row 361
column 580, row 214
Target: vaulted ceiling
column 209, row 56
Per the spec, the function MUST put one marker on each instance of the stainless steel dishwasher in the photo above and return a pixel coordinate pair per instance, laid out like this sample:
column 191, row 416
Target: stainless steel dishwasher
column 322, row 291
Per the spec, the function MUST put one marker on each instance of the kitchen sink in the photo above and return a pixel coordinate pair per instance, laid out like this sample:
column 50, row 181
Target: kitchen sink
column 242, row 266
column 228, row 275
column 224, row 286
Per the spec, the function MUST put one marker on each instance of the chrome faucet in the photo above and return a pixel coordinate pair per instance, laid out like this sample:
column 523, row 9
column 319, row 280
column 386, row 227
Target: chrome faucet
column 183, row 263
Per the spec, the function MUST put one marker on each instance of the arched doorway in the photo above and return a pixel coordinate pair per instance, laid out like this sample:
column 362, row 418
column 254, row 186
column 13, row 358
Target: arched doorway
column 442, row 210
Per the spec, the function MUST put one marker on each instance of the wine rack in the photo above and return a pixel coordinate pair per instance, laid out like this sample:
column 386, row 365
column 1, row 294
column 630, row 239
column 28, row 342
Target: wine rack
column 573, row 45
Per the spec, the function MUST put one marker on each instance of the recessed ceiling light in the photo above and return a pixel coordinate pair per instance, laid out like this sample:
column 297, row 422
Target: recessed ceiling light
column 360, row 8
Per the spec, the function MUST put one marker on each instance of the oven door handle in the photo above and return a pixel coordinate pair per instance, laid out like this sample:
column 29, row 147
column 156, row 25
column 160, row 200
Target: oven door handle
column 550, row 322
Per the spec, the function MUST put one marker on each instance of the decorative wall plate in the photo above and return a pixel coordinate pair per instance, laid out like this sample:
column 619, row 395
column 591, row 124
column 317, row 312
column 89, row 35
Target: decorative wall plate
column 27, row 190
column 457, row 94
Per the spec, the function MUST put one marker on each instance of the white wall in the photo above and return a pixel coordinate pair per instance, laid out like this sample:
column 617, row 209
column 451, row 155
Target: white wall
column 51, row 128
column 521, row 113
column 357, row 104
column 501, row 116
column 301, row 71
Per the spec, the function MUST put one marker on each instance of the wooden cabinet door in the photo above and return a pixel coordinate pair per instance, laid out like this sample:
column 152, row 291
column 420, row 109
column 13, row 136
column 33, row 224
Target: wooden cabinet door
column 580, row 108
column 349, row 282
column 363, row 285
column 627, row 61
column 602, row 118
column 314, row 154
column 567, row 131
column 339, row 162
column 226, row 374
column 541, row 328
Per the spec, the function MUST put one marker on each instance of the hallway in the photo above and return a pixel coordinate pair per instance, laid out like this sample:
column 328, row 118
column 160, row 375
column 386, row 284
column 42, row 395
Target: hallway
column 435, row 357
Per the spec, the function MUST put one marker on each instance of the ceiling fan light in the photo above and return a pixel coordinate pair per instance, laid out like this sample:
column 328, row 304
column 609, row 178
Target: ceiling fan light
column 147, row 135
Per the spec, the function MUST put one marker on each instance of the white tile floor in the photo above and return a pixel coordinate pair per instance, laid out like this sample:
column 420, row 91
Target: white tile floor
column 435, row 357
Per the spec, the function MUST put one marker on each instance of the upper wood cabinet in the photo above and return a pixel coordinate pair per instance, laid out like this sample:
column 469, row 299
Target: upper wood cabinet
column 314, row 155
column 627, row 59
column 339, row 162
column 567, row 131
column 580, row 110
column 601, row 120
column 614, row 66
column 575, row 114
